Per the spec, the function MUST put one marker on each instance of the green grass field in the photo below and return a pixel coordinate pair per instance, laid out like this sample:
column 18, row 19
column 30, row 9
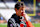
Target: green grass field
column 5, row 25
column 36, row 25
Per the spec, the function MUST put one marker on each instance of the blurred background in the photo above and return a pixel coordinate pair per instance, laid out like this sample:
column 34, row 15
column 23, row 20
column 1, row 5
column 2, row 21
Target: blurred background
column 7, row 9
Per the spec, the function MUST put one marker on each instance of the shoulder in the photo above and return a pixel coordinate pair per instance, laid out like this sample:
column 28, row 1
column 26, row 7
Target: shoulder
column 11, row 20
column 13, row 15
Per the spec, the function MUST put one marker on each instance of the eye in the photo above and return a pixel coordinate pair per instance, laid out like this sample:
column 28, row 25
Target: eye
column 22, row 4
column 22, row 9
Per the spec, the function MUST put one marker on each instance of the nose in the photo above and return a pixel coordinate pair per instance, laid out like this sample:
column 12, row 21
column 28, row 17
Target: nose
column 22, row 11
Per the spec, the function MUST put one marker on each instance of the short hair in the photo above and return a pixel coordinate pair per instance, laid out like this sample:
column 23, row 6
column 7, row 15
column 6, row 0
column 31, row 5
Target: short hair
column 19, row 4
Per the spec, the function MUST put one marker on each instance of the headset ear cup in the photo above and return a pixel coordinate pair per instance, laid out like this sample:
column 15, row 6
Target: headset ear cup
column 18, row 7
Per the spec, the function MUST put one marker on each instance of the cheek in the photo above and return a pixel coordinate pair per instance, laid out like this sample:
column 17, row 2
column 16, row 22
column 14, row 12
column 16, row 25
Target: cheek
column 19, row 13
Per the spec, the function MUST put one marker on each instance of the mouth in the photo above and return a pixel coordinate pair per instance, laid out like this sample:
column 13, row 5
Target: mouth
column 22, row 13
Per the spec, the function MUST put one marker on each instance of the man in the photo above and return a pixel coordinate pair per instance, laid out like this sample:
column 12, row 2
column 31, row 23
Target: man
column 20, row 18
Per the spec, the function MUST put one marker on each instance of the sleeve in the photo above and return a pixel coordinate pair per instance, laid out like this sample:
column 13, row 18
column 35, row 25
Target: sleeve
column 11, row 23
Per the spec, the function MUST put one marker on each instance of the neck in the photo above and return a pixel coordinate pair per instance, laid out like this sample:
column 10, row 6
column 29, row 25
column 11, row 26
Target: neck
column 17, row 14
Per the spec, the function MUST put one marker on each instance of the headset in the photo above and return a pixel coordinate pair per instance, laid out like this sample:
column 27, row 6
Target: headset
column 18, row 5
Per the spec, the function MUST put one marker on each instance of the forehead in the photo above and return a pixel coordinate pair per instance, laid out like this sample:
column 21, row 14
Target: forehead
column 22, row 7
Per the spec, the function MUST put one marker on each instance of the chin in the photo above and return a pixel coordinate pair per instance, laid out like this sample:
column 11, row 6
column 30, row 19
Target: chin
column 21, row 15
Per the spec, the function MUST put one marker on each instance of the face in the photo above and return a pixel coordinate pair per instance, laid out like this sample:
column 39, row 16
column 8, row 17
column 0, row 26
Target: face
column 20, row 11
